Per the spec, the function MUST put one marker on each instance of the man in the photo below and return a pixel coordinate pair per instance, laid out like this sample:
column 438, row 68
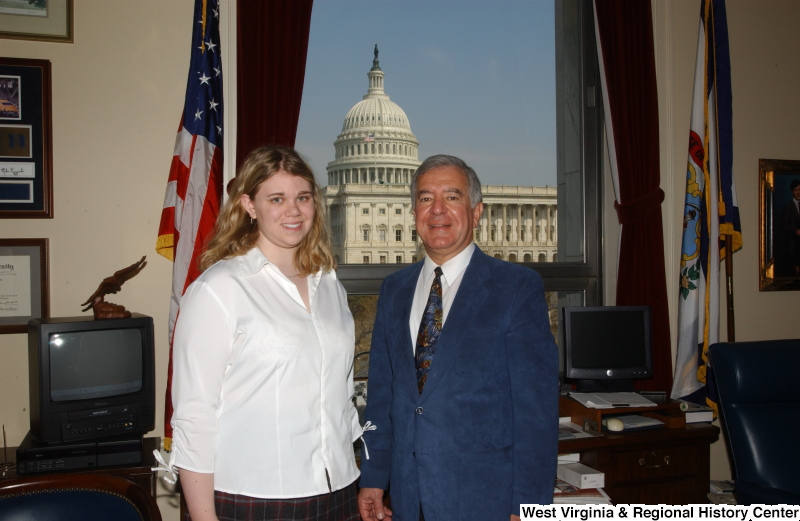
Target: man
column 790, row 224
column 463, row 379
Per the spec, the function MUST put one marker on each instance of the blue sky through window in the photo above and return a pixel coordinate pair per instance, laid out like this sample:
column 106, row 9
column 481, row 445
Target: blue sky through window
column 476, row 79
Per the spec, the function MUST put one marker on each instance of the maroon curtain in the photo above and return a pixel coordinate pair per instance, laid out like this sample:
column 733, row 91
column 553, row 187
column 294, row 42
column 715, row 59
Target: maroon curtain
column 272, row 43
column 626, row 38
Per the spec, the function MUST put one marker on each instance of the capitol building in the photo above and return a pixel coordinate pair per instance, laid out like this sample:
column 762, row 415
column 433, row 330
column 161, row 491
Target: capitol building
column 369, row 203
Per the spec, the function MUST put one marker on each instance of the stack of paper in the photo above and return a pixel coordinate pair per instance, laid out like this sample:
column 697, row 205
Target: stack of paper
column 565, row 493
column 568, row 430
column 721, row 486
column 569, row 457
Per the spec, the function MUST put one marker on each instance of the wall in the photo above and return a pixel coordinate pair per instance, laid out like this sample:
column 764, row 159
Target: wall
column 764, row 76
column 117, row 93
column 117, row 96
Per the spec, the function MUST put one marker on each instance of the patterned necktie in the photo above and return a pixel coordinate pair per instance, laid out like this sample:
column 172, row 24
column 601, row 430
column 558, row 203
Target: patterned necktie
column 429, row 330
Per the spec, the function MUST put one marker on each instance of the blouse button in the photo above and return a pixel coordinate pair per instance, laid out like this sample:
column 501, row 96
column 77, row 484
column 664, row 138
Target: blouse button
column 419, row 410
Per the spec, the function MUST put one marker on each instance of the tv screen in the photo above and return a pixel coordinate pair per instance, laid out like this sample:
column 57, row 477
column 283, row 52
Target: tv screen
column 95, row 364
column 607, row 343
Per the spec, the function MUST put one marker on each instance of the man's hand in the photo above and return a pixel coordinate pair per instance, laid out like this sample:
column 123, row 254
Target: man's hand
column 515, row 518
column 370, row 505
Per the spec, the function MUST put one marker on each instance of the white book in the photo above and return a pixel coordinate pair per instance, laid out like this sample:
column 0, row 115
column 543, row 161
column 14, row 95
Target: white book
column 697, row 413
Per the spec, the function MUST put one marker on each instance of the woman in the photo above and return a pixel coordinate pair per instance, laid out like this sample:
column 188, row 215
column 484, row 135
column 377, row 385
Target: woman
column 263, row 352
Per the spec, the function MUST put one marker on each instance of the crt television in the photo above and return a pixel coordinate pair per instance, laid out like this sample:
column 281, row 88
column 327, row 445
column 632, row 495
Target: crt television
column 91, row 379
column 607, row 347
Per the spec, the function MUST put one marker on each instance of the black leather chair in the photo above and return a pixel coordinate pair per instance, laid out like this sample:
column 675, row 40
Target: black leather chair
column 759, row 398
column 75, row 497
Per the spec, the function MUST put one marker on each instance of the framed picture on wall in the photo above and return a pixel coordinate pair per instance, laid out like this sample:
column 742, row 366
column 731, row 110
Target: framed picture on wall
column 779, row 230
column 24, row 283
column 41, row 20
column 26, row 135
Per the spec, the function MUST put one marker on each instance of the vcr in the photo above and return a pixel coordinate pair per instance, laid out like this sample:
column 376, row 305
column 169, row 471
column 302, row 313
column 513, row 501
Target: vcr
column 96, row 423
column 38, row 458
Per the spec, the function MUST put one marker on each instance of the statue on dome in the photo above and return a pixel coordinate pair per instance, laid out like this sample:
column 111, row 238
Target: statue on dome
column 376, row 51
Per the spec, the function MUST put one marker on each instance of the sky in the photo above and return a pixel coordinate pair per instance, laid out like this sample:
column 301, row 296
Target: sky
column 476, row 79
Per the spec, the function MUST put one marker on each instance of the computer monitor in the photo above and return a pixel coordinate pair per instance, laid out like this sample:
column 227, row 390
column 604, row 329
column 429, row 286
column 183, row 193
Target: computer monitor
column 608, row 347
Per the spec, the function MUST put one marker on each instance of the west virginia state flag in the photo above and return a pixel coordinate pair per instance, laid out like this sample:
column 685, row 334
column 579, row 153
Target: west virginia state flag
column 710, row 211
column 194, row 189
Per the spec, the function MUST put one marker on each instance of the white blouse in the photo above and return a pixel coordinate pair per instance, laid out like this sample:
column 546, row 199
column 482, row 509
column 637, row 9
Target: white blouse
column 261, row 387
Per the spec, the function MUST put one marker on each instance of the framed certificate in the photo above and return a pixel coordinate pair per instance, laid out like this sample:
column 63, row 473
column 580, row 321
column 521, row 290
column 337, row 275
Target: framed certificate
column 24, row 283
column 26, row 157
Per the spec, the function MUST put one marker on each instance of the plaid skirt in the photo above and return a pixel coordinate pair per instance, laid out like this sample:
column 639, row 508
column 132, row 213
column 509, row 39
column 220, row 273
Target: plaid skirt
column 341, row 505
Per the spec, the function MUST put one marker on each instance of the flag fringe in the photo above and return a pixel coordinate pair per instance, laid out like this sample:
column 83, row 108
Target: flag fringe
column 165, row 246
column 727, row 229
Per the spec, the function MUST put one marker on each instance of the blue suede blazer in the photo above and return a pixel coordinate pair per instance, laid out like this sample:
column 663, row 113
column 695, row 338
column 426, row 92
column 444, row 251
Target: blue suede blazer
column 483, row 436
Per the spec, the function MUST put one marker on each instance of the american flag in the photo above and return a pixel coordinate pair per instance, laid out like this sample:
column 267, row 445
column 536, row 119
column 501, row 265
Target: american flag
column 194, row 189
column 370, row 138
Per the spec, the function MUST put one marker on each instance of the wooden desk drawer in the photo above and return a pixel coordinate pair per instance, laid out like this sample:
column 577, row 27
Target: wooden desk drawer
column 654, row 463
column 640, row 464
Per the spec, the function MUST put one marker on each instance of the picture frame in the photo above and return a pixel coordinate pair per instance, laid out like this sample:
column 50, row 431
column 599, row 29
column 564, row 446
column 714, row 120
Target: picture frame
column 26, row 137
column 779, row 226
column 24, row 283
column 52, row 22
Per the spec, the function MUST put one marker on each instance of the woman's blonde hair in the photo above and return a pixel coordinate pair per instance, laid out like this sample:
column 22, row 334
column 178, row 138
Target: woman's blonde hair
column 235, row 233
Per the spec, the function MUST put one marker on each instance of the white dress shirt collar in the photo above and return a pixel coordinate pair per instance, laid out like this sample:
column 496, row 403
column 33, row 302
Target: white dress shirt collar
column 254, row 260
column 450, row 269
column 251, row 262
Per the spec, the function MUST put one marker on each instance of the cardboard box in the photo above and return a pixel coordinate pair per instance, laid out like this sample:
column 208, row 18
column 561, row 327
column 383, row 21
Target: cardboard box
column 581, row 476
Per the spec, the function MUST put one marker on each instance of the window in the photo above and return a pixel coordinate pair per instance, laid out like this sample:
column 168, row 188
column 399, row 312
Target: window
column 382, row 235
column 398, row 235
column 366, row 259
column 398, row 259
column 365, row 234
column 563, row 237
column 381, row 211
column 383, row 259
column 365, row 211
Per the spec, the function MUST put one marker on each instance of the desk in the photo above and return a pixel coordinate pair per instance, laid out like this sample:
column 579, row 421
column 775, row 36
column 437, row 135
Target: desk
column 141, row 473
column 669, row 466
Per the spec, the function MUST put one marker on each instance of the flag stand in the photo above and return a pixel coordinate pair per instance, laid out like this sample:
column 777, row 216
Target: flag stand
column 729, row 286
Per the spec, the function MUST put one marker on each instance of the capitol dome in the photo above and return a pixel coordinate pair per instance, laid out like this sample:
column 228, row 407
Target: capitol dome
column 376, row 144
